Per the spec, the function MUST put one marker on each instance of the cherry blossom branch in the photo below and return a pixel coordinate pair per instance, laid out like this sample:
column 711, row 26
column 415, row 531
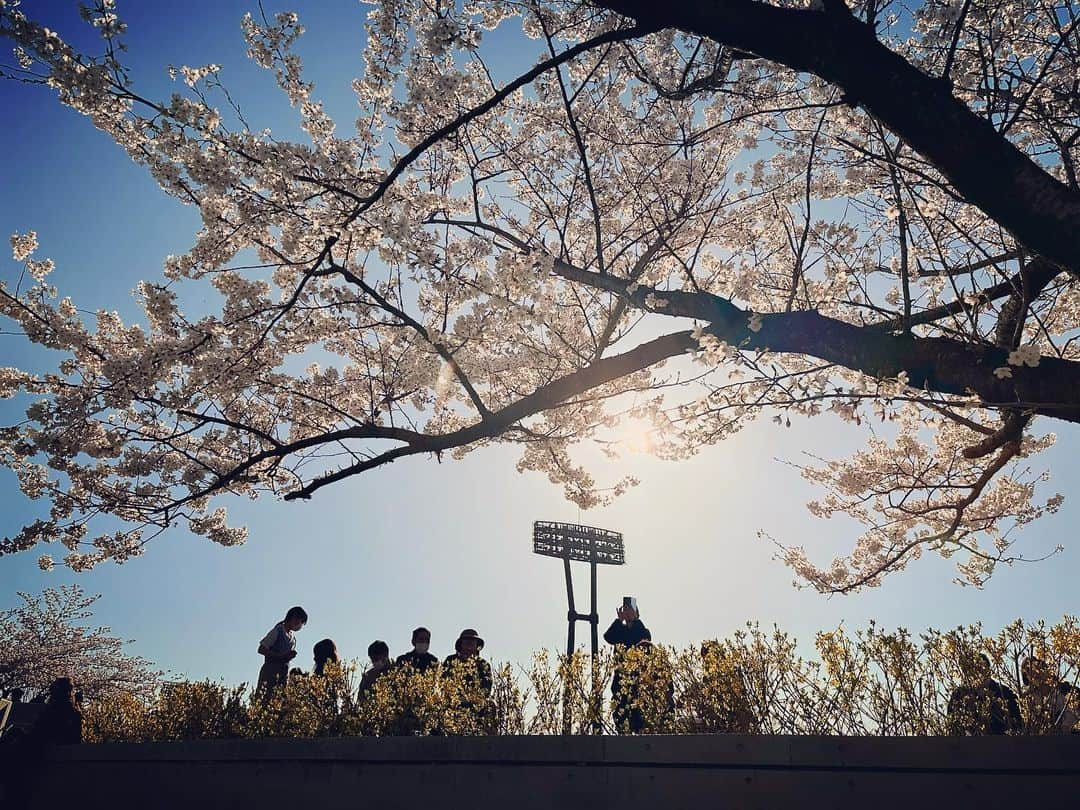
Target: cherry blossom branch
column 925, row 360
column 438, row 345
column 579, row 140
column 961, row 270
column 546, row 397
column 898, row 555
column 979, row 161
column 935, row 363
column 1038, row 272
column 440, row 134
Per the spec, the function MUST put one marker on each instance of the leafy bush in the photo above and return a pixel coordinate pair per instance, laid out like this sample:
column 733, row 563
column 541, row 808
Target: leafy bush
column 870, row 682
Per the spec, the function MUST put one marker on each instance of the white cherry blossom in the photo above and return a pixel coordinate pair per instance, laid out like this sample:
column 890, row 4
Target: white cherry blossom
column 649, row 224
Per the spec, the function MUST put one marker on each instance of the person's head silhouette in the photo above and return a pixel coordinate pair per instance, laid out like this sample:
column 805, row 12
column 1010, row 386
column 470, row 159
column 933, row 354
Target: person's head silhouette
column 325, row 651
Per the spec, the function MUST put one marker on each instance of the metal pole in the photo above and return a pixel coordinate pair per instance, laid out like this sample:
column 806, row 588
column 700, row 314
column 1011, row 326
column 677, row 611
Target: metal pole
column 594, row 620
column 571, row 620
column 571, row 614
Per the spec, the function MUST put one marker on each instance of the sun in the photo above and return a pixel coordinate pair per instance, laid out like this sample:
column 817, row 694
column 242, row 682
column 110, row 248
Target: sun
column 635, row 435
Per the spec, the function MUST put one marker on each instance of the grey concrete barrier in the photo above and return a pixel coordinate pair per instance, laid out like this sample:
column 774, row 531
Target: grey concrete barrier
column 522, row 773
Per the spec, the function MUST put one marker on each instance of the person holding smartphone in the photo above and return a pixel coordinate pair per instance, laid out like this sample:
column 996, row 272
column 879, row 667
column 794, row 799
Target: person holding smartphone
column 627, row 633
column 627, row 630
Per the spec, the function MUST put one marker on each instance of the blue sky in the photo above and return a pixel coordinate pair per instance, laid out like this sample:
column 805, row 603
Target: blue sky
column 446, row 545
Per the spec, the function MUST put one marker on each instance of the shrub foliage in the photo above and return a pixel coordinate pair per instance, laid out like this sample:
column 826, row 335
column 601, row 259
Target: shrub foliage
column 869, row 682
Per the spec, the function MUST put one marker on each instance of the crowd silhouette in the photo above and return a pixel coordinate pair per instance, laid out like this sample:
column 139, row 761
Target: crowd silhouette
column 637, row 661
column 465, row 666
column 982, row 706
column 278, row 648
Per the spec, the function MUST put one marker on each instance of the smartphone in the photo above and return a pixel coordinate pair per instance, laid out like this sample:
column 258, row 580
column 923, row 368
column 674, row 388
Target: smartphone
column 630, row 602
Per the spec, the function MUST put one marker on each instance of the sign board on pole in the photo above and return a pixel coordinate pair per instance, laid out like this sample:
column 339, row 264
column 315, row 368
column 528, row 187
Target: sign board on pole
column 579, row 543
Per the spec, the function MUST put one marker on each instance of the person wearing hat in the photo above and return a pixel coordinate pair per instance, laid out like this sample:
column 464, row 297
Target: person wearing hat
column 467, row 657
column 474, row 671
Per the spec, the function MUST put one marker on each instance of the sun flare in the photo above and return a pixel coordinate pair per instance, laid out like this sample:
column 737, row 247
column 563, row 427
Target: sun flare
column 635, row 435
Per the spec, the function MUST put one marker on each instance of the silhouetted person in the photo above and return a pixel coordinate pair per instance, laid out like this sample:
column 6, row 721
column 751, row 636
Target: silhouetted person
column 379, row 653
column 418, row 657
column 466, row 660
column 21, row 755
column 625, row 633
column 981, row 705
column 417, row 662
column 473, row 674
column 325, row 652
column 1047, row 700
column 61, row 722
column 627, row 630
column 643, row 689
column 278, row 648
column 15, row 694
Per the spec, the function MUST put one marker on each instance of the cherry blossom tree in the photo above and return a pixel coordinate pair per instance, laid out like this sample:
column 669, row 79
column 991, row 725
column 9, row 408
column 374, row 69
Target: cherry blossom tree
column 694, row 215
column 45, row 638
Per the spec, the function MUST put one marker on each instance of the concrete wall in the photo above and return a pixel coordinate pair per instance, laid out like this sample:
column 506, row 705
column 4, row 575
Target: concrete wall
column 521, row 773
